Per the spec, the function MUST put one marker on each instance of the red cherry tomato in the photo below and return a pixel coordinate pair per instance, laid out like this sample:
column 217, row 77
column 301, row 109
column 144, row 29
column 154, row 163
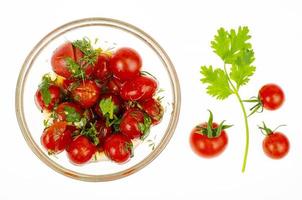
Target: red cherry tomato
column 140, row 88
column 207, row 147
column 118, row 148
column 56, row 137
column 271, row 96
column 86, row 93
column 66, row 84
column 135, row 124
column 101, row 68
column 69, row 109
column 126, row 64
column 80, row 150
column 276, row 145
column 154, row 109
column 103, row 132
column 114, row 85
column 58, row 59
column 55, row 97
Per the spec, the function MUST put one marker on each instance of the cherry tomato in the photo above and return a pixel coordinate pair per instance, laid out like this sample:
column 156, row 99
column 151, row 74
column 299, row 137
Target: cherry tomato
column 140, row 88
column 271, row 96
column 86, row 93
column 135, row 124
column 55, row 97
column 56, row 137
column 126, row 64
column 103, row 132
column 101, row 68
column 88, row 68
column 154, row 109
column 114, row 85
column 276, row 145
column 80, row 150
column 207, row 147
column 58, row 59
column 72, row 110
column 66, row 84
column 118, row 148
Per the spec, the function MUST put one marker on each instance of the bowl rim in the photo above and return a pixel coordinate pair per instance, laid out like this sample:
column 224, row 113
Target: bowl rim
column 97, row 21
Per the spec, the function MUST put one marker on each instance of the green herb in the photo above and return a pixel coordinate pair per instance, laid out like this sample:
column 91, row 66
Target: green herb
column 145, row 127
column 91, row 133
column 53, row 115
column 108, row 107
column 90, row 54
column 129, row 147
column 82, row 123
column 237, row 54
column 44, row 89
column 71, row 114
column 151, row 144
column 145, row 73
column 46, row 123
column 218, row 85
column 74, row 68
column 116, row 124
column 160, row 90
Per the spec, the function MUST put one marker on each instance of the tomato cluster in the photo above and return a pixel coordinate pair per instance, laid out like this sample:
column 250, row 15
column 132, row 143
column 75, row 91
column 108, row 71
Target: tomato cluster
column 96, row 101
column 275, row 144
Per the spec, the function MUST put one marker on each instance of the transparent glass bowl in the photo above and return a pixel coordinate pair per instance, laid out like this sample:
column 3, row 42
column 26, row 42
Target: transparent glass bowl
column 111, row 33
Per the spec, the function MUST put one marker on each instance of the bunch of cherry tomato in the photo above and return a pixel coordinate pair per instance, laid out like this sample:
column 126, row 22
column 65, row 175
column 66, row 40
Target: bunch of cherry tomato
column 96, row 101
column 209, row 139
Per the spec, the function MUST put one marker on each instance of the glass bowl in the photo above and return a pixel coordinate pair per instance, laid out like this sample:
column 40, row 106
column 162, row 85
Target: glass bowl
column 111, row 33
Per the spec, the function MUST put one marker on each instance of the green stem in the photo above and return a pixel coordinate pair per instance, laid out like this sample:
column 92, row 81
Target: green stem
column 235, row 90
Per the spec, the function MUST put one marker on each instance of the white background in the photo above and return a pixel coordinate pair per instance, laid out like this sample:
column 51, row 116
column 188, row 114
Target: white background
column 184, row 29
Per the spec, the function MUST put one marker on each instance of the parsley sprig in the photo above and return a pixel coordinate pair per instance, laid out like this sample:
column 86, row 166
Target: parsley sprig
column 108, row 109
column 75, row 69
column 44, row 89
column 235, row 50
column 145, row 127
column 91, row 133
column 90, row 54
column 71, row 114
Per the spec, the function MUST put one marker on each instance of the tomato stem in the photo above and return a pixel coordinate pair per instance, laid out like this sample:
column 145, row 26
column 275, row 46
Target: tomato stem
column 235, row 90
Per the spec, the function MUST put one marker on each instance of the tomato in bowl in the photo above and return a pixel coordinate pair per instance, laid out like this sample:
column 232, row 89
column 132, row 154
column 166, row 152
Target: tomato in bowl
column 93, row 79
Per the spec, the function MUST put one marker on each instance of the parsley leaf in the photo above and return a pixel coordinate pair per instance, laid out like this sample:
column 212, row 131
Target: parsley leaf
column 218, row 85
column 116, row 124
column 91, row 133
column 129, row 147
column 233, row 48
column 145, row 127
column 82, row 123
column 108, row 107
column 44, row 89
column 241, row 70
column 74, row 68
column 71, row 114
column 90, row 54
column 221, row 43
column 227, row 45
